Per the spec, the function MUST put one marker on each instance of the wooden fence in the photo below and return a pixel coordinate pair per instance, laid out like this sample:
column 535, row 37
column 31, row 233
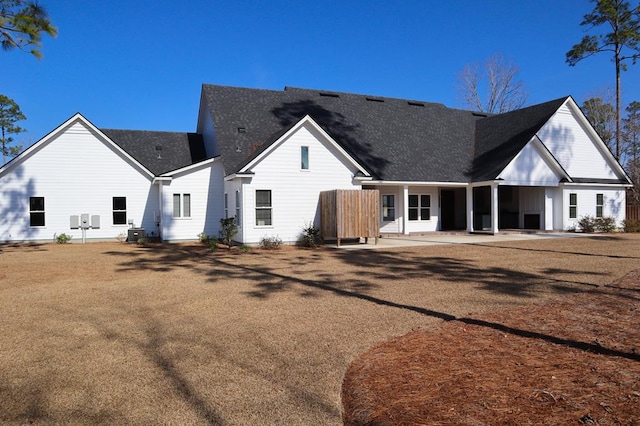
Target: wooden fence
column 633, row 213
column 349, row 214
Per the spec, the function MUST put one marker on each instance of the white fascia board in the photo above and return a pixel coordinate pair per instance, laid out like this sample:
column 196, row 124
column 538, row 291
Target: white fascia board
column 238, row 175
column 311, row 121
column 599, row 185
column 187, row 169
column 572, row 105
column 413, row 183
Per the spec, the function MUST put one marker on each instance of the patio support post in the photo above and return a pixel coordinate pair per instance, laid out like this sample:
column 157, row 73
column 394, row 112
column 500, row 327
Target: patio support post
column 469, row 208
column 494, row 208
column 405, row 210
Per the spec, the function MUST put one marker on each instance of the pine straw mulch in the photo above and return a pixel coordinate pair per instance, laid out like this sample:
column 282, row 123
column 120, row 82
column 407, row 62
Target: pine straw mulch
column 569, row 361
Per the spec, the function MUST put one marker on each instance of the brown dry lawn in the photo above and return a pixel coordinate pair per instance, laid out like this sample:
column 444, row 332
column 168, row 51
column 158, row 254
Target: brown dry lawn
column 117, row 333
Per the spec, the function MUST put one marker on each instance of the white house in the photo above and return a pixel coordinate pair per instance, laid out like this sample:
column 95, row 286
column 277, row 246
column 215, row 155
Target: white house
column 263, row 157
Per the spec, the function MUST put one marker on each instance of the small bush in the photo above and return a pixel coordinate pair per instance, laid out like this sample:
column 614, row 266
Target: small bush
column 213, row 244
column 63, row 238
column 310, row 237
column 631, row 225
column 270, row 243
column 203, row 238
column 143, row 240
column 587, row 224
column 606, row 224
column 244, row 248
column 228, row 230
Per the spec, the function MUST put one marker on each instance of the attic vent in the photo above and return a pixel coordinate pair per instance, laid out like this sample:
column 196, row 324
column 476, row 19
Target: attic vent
column 479, row 114
column 329, row 95
column 374, row 99
column 242, row 130
column 158, row 148
column 420, row 104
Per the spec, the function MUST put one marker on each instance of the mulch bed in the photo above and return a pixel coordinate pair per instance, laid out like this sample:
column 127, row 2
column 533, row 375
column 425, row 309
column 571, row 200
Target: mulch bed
column 570, row 361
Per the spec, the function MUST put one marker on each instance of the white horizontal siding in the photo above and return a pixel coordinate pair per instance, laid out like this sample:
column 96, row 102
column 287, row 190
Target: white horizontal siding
column 205, row 186
column 295, row 192
column 529, row 168
column 574, row 149
column 76, row 172
column 614, row 204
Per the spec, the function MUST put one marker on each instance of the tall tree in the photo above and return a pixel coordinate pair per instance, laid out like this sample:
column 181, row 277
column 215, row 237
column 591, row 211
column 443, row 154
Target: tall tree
column 631, row 128
column 602, row 116
column 492, row 88
column 22, row 24
column 9, row 114
column 621, row 38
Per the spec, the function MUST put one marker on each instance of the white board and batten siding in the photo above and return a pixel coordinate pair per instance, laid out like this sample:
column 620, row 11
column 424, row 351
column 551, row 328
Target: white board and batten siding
column 77, row 172
column 204, row 185
column 295, row 192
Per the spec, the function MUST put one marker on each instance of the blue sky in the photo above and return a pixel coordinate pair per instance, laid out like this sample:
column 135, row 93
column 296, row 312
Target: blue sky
column 140, row 64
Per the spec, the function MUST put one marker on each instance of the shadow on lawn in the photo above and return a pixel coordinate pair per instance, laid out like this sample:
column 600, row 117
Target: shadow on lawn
column 390, row 265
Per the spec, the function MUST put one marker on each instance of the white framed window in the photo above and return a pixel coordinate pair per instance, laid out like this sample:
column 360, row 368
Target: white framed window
column 238, row 208
column 573, row 205
column 264, row 212
column 304, row 158
column 36, row 211
column 599, row 205
column 388, row 208
column 182, row 205
column 119, row 205
column 419, row 207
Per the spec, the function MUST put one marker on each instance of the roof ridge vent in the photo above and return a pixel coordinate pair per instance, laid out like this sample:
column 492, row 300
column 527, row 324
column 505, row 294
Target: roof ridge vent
column 372, row 99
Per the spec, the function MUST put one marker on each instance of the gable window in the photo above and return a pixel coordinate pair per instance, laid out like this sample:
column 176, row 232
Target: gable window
column 388, row 208
column 263, row 208
column 419, row 207
column 36, row 211
column 181, row 205
column 573, row 206
column 119, row 205
column 599, row 205
column 304, row 157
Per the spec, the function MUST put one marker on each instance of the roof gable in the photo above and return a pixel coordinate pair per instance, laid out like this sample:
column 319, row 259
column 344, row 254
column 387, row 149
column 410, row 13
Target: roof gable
column 500, row 138
column 67, row 125
column 533, row 166
column 278, row 138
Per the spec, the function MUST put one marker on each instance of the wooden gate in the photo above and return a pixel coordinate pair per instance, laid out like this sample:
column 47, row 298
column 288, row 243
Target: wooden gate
column 350, row 214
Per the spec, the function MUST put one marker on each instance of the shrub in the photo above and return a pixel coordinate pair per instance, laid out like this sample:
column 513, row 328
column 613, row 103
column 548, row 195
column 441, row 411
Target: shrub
column 143, row 240
column 213, row 244
column 228, row 230
column 203, row 238
column 244, row 248
column 631, row 225
column 63, row 238
column 606, row 224
column 310, row 237
column 587, row 224
column 270, row 243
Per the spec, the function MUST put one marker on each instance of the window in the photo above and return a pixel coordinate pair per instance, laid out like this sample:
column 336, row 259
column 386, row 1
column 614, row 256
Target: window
column 238, row 208
column 181, row 205
column 263, row 208
column 573, row 206
column 304, row 157
column 36, row 211
column 119, row 210
column 599, row 205
column 419, row 207
column 226, row 205
column 388, row 208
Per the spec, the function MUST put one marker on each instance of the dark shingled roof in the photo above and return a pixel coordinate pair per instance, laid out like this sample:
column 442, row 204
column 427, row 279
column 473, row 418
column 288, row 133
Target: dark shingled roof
column 499, row 138
column 160, row 152
column 394, row 139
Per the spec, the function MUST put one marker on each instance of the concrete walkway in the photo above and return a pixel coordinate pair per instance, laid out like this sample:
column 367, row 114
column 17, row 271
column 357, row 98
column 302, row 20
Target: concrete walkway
column 442, row 239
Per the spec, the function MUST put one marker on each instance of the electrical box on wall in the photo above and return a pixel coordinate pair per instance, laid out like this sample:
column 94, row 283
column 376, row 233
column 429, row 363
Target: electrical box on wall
column 74, row 222
column 84, row 220
column 95, row 221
